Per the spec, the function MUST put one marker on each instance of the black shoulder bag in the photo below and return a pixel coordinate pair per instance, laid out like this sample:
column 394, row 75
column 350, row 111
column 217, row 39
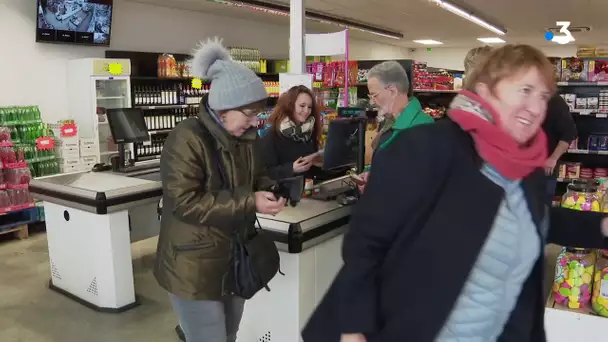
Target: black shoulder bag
column 255, row 258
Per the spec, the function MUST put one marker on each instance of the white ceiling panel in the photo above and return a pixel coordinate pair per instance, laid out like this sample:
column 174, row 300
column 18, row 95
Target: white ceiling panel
column 525, row 20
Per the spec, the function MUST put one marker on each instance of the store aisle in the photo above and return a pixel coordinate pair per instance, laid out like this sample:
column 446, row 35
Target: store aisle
column 29, row 312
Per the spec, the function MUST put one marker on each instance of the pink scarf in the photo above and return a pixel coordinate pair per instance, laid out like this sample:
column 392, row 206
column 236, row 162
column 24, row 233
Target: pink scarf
column 476, row 117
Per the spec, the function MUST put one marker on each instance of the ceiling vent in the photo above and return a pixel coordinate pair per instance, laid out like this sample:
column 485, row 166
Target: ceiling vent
column 573, row 29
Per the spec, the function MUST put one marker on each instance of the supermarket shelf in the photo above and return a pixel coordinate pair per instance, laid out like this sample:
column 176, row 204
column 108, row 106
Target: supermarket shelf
column 452, row 91
column 16, row 208
column 590, row 112
column 167, row 106
column 20, row 123
column 40, row 159
column 110, row 98
column 185, row 79
column 568, row 180
column 604, row 153
column 160, row 131
column 151, row 78
column 582, row 84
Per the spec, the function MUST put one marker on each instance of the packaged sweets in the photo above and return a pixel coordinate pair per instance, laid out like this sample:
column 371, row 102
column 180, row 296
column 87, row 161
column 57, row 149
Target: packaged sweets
column 573, row 277
column 582, row 197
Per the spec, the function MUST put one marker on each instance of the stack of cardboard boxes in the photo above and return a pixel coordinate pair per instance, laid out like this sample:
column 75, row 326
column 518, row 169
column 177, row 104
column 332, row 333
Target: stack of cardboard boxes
column 76, row 153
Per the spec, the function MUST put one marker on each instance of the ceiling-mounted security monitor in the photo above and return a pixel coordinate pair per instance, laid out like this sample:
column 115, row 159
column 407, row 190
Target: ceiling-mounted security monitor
column 85, row 22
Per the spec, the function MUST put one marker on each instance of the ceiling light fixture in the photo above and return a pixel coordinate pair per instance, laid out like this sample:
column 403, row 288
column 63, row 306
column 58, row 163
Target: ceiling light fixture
column 282, row 10
column 468, row 16
column 491, row 40
column 427, row 42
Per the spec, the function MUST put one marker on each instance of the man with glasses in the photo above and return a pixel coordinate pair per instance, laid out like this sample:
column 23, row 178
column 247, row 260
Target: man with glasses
column 389, row 86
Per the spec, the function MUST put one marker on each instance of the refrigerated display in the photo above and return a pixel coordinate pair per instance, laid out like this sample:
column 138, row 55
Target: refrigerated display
column 93, row 88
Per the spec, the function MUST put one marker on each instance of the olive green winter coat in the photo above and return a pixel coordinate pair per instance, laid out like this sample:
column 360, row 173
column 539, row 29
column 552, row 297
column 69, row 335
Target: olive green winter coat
column 199, row 213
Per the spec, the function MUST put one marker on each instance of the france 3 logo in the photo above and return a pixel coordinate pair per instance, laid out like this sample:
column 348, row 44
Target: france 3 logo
column 564, row 38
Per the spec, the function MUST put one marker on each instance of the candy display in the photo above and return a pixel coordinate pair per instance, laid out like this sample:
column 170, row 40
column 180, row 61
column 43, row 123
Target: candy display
column 598, row 71
column 557, row 67
column 594, row 183
column 599, row 300
column 573, row 277
column 574, row 69
column 426, row 78
column 435, row 112
column 582, row 197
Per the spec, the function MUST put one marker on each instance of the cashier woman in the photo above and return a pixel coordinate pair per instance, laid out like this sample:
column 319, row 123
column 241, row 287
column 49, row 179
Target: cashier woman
column 211, row 190
column 289, row 146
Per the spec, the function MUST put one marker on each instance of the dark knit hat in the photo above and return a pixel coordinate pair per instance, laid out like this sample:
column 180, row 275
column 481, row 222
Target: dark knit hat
column 232, row 84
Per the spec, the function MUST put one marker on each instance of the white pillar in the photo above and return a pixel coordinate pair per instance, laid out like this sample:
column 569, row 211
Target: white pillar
column 297, row 30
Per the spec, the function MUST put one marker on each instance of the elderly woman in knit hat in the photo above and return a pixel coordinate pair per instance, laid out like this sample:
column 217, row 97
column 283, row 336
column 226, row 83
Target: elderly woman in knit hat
column 211, row 190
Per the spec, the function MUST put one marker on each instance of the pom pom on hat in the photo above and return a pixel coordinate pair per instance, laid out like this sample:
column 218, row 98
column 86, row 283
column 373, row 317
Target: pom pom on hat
column 207, row 53
column 233, row 85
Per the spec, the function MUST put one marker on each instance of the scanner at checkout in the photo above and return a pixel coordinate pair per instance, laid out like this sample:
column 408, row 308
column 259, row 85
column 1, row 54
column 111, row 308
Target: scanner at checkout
column 139, row 168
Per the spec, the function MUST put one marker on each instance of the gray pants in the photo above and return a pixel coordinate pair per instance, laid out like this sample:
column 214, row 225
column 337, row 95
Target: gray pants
column 209, row 321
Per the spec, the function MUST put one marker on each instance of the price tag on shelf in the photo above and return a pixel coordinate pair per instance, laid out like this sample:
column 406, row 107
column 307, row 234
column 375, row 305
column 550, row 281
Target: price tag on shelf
column 584, row 111
column 45, row 143
column 197, row 83
column 115, row 69
column 68, row 130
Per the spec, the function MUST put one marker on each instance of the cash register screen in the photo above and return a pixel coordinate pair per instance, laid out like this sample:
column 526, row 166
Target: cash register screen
column 127, row 125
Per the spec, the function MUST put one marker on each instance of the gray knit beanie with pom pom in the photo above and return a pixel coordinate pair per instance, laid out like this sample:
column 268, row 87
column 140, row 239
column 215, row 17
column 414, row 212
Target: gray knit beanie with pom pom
column 232, row 84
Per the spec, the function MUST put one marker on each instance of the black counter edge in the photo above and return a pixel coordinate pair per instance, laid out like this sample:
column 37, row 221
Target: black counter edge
column 91, row 305
column 295, row 238
column 100, row 202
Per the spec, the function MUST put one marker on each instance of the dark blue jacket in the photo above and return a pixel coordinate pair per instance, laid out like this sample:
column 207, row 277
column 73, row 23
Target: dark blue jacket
column 415, row 235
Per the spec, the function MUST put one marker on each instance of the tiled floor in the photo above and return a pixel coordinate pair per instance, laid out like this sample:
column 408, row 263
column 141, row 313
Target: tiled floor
column 29, row 312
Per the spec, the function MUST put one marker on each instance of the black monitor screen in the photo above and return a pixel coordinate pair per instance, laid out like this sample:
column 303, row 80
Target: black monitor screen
column 342, row 144
column 74, row 21
column 351, row 112
column 127, row 125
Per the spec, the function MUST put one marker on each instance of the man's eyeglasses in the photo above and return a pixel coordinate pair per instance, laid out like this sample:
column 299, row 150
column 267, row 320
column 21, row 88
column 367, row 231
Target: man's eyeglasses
column 372, row 96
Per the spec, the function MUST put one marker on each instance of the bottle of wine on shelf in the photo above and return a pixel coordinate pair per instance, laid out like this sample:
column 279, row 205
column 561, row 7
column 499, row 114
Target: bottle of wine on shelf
column 154, row 148
column 161, row 121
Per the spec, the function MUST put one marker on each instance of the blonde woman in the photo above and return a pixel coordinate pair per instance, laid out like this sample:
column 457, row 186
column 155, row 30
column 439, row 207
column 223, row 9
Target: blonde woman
column 453, row 250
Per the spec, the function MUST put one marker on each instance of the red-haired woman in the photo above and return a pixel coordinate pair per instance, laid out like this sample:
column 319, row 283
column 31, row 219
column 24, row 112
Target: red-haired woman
column 293, row 135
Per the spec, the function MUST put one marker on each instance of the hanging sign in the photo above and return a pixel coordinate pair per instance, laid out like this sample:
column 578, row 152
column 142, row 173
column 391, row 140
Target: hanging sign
column 197, row 83
column 68, row 130
column 45, row 143
column 115, row 69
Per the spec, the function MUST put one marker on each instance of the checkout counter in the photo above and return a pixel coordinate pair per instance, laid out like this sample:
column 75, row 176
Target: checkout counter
column 93, row 217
